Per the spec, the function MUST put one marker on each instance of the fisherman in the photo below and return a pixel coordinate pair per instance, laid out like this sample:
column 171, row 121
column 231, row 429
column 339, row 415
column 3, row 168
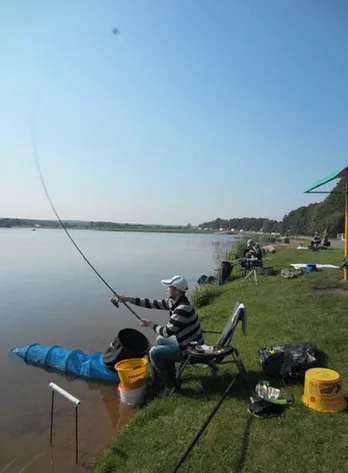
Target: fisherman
column 253, row 250
column 256, row 252
column 172, row 340
column 249, row 246
column 316, row 240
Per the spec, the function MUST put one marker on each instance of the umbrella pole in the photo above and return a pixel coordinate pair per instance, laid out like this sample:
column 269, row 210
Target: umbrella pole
column 346, row 232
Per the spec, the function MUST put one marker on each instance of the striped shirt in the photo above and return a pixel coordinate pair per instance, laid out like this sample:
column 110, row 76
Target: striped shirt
column 183, row 319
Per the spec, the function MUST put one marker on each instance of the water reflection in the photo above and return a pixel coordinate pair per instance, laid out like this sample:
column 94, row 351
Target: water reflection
column 119, row 413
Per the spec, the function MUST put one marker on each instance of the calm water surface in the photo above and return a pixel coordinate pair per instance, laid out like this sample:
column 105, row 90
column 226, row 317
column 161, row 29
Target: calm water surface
column 49, row 295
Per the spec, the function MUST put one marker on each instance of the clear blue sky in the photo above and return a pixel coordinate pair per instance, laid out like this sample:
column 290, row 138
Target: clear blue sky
column 196, row 110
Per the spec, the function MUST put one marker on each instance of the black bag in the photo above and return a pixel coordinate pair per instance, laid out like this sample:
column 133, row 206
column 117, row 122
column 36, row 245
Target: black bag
column 129, row 343
column 286, row 360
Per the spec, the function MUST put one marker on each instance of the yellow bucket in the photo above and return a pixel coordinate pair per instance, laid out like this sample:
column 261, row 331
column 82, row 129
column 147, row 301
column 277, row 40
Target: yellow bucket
column 323, row 390
column 132, row 372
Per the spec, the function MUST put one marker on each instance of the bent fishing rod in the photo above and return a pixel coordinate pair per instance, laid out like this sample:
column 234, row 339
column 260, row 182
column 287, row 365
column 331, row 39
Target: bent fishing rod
column 34, row 143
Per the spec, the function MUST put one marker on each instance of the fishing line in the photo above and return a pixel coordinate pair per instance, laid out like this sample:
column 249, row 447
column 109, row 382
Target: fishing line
column 6, row 467
column 31, row 462
column 35, row 150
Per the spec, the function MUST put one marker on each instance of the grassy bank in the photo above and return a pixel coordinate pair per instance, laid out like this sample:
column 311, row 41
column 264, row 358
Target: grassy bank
column 280, row 310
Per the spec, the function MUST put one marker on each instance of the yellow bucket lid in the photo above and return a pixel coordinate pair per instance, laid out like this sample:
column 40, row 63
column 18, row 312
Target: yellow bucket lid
column 322, row 375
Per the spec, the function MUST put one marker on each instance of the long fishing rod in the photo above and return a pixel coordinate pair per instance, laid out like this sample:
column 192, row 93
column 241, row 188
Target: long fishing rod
column 205, row 425
column 34, row 143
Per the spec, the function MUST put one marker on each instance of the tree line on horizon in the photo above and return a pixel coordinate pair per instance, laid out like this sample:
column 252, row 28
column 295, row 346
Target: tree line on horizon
column 247, row 224
column 305, row 220
column 328, row 214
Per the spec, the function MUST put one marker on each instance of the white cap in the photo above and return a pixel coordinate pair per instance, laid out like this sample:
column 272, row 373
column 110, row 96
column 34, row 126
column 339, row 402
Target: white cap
column 176, row 281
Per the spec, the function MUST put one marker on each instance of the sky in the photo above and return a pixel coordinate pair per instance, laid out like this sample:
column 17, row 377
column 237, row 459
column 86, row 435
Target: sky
column 194, row 110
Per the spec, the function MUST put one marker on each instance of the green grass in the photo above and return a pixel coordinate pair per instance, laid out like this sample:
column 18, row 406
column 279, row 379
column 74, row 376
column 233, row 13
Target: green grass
column 300, row 441
column 205, row 295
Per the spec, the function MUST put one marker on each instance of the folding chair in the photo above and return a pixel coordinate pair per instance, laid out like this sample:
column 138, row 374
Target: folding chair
column 222, row 348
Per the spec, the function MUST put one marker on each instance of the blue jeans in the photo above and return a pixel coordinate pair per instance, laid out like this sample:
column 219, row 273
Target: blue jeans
column 165, row 354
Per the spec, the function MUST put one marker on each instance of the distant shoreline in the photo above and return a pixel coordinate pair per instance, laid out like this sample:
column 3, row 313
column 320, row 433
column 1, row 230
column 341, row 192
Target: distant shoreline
column 126, row 229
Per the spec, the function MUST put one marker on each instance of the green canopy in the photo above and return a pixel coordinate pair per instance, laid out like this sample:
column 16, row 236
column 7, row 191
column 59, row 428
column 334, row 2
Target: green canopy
column 342, row 174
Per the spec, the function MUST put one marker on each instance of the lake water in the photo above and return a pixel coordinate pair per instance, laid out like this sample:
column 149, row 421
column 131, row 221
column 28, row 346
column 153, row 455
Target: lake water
column 49, row 295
